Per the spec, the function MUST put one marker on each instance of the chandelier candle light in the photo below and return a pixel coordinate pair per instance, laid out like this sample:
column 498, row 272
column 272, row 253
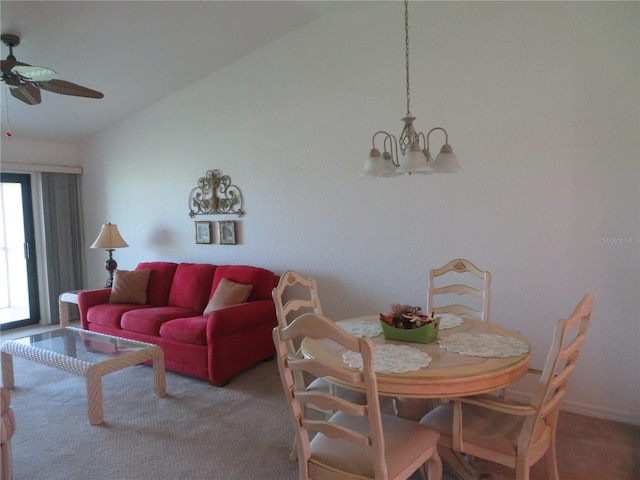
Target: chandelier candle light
column 413, row 145
column 110, row 239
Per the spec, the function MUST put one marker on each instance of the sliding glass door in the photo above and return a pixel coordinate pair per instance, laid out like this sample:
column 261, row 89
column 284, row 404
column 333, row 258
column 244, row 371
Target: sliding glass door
column 19, row 305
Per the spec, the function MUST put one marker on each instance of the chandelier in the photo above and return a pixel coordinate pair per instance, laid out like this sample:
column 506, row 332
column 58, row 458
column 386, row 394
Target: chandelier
column 414, row 146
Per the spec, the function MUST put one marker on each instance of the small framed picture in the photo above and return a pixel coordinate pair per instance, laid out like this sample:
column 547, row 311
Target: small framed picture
column 227, row 232
column 203, row 232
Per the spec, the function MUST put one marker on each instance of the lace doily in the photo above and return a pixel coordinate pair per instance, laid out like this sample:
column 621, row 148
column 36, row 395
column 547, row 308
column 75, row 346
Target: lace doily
column 448, row 320
column 389, row 358
column 361, row 328
column 483, row 345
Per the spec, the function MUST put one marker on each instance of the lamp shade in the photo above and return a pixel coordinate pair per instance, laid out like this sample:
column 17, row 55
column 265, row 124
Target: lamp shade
column 446, row 161
column 109, row 238
column 413, row 161
column 377, row 165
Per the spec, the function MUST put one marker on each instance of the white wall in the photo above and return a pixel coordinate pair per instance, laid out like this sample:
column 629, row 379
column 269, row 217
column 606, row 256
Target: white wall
column 41, row 153
column 542, row 107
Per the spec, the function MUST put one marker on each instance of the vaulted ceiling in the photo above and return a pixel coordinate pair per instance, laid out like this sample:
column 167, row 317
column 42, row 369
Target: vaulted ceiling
column 135, row 52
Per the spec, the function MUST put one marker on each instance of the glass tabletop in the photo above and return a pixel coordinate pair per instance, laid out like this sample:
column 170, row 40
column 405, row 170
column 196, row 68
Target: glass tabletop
column 84, row 345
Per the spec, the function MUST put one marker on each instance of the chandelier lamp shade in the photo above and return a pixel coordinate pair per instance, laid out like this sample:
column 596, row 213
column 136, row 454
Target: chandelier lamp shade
column 409, row 154
column 109, row 239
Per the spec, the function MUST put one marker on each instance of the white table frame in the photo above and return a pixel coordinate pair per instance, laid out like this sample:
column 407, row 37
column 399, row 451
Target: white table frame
column 64, row 301
column 93, row 372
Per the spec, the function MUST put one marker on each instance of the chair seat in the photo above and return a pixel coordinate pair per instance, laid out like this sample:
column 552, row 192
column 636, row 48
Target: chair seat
column 404, row 445
column 493, row 430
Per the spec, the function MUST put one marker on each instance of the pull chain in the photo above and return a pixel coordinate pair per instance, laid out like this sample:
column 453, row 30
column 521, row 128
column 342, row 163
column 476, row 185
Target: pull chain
column 9, row 133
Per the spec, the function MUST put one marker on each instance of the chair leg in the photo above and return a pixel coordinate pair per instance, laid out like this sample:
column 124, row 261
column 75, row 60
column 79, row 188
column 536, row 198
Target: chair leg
column 552, row 462
column 5, row 466
column 459, row 464
column 522, row 470
column 432, row 468
column 293, row 456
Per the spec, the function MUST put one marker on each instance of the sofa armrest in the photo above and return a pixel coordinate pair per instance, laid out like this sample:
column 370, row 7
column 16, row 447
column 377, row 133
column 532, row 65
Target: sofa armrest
column 91, row 298
column 239, row 317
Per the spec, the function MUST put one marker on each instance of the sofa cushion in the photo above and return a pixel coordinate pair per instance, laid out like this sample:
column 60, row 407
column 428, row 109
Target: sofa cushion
column 149, row 320
column 191, row 286
column 110, row 314
column 130, row 287
column 262, row 280
column 159, row 281
column 228, row 293
column 186, row 330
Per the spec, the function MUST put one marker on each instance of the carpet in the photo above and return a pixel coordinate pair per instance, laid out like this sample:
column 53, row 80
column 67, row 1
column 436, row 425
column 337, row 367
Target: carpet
column 241, row 431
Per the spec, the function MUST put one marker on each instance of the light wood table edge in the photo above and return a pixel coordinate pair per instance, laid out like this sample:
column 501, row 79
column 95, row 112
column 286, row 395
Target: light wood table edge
column 464, row 380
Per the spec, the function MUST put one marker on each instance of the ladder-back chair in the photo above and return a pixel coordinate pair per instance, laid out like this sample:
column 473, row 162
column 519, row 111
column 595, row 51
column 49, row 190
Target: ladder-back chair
column 457, row 277
column 293, row 296
column 357, row 440
column 511, row 434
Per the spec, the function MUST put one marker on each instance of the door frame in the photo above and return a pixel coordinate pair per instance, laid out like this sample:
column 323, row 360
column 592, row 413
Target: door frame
column 30, row 249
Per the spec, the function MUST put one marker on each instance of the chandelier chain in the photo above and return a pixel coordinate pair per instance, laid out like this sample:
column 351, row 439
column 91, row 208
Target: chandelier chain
column 412, row 145
column 406, row 42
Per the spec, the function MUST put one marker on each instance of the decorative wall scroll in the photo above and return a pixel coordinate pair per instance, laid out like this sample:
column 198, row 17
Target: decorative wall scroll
column 215, row 195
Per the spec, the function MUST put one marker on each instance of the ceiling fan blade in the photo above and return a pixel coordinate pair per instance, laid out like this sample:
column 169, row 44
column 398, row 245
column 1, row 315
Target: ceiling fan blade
column 9, row 63
column 68, row 88
column 27, row 93
column 28, row 73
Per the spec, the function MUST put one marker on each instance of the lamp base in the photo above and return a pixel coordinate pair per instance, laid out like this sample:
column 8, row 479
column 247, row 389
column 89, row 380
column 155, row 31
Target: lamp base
column 110, row 265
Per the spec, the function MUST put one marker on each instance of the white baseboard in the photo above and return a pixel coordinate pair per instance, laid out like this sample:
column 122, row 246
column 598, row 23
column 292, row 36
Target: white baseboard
column 585, row 409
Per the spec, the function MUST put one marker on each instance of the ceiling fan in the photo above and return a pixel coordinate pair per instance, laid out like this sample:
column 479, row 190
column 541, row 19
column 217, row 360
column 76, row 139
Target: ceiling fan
column 25, row 81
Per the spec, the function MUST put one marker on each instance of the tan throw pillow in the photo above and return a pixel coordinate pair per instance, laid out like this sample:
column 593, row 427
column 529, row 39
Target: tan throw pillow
column 130, row 287
column 228, row 293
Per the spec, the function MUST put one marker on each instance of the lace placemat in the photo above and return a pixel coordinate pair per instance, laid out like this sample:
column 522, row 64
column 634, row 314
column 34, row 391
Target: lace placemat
column 390, row 358
column 361, row 328
column 483, row 345
column 448, row 320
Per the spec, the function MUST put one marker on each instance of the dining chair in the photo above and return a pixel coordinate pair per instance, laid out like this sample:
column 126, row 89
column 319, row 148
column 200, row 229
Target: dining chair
column 462, row 278
column 357, row 440
column 470, row 285
column 293, row 296
column 511, row 434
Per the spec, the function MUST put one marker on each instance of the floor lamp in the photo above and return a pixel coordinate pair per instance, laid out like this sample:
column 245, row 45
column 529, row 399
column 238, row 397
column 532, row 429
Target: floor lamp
column 109, row 239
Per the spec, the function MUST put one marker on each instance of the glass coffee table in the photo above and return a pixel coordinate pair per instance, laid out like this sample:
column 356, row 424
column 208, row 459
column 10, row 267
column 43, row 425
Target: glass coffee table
column 86, row 354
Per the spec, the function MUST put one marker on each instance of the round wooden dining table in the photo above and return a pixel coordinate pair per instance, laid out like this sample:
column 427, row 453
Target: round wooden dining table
column 448, row 375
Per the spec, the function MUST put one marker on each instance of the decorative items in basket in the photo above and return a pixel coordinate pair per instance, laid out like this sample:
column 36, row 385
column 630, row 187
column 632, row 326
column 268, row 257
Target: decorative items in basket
column 409, row 324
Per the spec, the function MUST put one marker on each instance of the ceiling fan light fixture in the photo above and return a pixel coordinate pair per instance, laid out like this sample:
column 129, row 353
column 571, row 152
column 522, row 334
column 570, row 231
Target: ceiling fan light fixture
column 34, row 74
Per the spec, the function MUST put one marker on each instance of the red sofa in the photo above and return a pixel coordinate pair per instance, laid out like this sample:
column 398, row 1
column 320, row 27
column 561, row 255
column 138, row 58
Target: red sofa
column 214, row 347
